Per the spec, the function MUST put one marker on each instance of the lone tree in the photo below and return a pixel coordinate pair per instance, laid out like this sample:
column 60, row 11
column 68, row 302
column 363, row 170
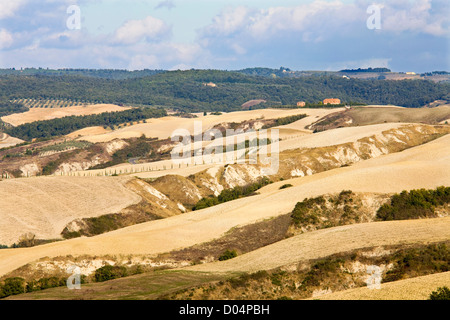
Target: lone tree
column 27, row 240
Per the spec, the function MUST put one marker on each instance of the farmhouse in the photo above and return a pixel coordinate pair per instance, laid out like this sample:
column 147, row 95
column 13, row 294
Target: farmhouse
column 331, row 101
column 301, row 104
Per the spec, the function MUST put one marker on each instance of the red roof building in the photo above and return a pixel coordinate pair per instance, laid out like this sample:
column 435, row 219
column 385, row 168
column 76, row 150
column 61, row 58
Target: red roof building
column 331, row 101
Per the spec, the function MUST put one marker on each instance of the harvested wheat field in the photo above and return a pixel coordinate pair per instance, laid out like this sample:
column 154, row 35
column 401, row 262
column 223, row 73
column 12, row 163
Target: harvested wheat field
column 44, row 205
column 87, row 132
column 365, row 116
column 325, row 242
column 7, row 141
column 37, row 114
column 337, row 136
column 425, row 166
column 163, row 128
column 313, row 117
column 418, row 288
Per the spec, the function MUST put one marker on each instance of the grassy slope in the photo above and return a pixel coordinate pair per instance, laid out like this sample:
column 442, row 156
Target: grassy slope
column 139, row 287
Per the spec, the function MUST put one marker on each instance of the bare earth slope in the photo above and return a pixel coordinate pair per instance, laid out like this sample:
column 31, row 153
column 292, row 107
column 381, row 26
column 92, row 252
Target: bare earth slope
column 425, row 166
column 418, row 288
column 8, row 141
column 45, row 205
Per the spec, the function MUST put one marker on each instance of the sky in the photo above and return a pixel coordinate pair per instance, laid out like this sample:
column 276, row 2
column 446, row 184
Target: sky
column 403, row 35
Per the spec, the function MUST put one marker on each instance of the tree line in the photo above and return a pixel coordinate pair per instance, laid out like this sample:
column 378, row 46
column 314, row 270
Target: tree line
column 66, row 125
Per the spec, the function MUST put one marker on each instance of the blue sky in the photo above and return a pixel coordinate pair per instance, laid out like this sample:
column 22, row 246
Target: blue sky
column 413, row 35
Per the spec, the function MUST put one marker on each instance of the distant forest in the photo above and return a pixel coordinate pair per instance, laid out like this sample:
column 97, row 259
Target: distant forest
column 366, row 70
column 94, row 73
column 187, row 91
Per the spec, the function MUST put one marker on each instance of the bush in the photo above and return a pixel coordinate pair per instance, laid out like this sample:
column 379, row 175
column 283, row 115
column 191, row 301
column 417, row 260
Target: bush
column 284, row 186
column 231, row 194
column 419, row 261
column 52, row 282
column 320, row 271
column 442, row 293
column 109, row 273
column 414, row 204
column 12, row 286
column 303, row 215
column 228, row 254
column 27, row 240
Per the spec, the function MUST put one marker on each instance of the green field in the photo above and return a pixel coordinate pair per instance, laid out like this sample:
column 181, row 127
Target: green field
column 138, row 287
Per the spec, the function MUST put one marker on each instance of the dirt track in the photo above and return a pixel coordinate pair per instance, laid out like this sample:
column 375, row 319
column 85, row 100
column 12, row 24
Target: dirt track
column 7, row 141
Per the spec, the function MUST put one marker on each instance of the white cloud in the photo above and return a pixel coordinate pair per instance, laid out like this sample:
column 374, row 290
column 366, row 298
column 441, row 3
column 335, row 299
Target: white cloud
column 169, row 4
column 147, row 29
column 312, row 34
column 418, row 17
column 144, row 61
column 9, row 7
column 230, row 21
column 6, row 39
column 181, row 66
column 317, row 17
column 322, row 20
column 163, row 55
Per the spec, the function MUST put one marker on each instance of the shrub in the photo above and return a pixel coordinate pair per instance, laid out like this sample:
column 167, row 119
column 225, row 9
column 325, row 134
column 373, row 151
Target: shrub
column 228, row 254
column 52, row 282
column 418, row 261
column 259, row 275
column 414, row 204
column 321, row 270
column 442, row 293
column 276, row 278
column 284, row 186
column 12, row 286
column 231, row 194
column 109, row 272
column 27, row 240
column 303, row 214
